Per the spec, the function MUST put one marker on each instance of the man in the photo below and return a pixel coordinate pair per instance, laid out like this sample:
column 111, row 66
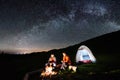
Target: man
column 65, row 61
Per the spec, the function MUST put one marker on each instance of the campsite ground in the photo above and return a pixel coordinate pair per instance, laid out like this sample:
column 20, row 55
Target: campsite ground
column 107, row 67
column 15, row 67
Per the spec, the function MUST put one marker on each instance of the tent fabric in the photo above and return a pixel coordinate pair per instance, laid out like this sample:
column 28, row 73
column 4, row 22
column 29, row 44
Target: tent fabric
column 84, row 54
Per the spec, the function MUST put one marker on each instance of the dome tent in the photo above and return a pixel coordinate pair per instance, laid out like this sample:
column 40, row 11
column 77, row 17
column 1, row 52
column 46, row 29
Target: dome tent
column 84, row 55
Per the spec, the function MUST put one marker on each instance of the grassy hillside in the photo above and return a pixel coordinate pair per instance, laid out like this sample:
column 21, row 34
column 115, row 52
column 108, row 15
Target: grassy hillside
column 105, row 48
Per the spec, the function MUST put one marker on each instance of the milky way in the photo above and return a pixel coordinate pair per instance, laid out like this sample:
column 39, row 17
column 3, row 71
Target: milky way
column 39, row 25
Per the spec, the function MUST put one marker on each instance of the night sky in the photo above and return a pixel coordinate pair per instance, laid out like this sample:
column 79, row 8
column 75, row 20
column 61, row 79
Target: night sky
column 42, row 25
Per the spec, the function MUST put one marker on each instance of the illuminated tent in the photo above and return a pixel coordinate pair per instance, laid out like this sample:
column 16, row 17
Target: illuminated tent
column 84, row 55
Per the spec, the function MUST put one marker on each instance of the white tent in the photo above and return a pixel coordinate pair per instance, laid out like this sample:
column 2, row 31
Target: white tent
column 84, row 55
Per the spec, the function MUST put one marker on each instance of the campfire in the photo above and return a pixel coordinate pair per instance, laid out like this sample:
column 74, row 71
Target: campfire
column 46, row 74
column 48, row 71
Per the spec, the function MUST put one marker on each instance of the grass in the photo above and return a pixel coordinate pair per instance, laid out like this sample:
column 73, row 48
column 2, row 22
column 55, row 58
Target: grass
column 107, row 67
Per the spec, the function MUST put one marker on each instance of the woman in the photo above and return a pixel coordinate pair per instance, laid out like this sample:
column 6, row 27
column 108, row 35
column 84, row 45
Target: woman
column 52, row 60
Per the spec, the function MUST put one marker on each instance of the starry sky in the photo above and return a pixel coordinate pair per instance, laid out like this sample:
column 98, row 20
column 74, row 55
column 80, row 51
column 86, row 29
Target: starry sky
column 42, row 25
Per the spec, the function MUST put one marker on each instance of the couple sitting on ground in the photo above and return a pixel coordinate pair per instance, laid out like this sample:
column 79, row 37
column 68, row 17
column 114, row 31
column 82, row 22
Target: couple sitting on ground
column 51, row 65
column 65, row 61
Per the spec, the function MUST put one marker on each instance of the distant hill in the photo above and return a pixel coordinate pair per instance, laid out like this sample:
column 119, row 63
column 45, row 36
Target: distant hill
column 15, row 66
column 105, row 44
column 108, row 43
